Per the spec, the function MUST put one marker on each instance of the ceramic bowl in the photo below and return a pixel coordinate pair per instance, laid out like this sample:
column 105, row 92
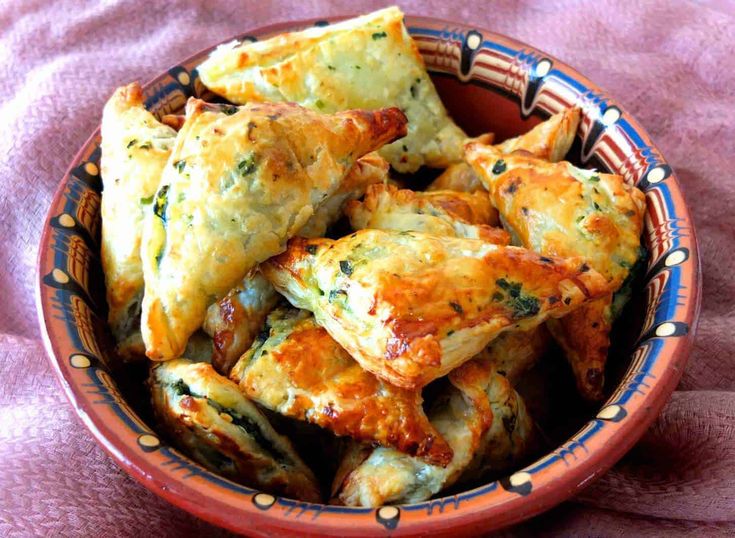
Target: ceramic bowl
column 489, row 83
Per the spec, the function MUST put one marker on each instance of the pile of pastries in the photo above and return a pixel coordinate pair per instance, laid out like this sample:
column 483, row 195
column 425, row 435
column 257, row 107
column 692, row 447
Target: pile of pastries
column 224, row 267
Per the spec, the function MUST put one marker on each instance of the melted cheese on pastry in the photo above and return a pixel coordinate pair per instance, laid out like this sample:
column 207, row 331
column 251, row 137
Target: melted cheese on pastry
column 369, row 62
column 135, row 148
column 296, row 369
column 409, row 307
column 207, row 417
column 238, row 184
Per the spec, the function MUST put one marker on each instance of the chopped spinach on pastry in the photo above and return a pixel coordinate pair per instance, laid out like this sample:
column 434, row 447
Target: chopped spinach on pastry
column 206, row 416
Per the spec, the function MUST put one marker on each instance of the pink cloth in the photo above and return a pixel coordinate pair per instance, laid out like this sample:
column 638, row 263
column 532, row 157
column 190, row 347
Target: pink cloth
column 669, row 63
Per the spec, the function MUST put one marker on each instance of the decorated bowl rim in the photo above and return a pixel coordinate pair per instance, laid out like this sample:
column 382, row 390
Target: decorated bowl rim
column 540, row 485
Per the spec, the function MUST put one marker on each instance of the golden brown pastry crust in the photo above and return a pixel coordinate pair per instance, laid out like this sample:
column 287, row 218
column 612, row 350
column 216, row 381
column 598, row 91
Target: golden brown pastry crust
column 238, row 184
column 135, row 148
column 410, row 307
column 483, row 419
column 296, row 369
column 368, row 62
column 513, row 353
column 600, row 220
column 450, row 213
column 207, row 416
column 235, row 320
column 549, row 140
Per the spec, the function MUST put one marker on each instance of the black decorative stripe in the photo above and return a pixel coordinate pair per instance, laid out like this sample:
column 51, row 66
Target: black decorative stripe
column 175, row 73
column 78, row 230
column 81, row 173
column 72, row 286
column 661, row 263
column 535, row 81
column 665, row 173
column 598, row 127
column 468, row 53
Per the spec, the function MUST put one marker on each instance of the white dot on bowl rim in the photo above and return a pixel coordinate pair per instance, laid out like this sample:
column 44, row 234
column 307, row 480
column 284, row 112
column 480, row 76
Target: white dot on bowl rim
column 473, row 41
column 610, row 116
column 609, row 412
column 184, row 78
column 656, row 175
column 666, row 329
column 91, row 169
column 60, row 276
column 264, row 499
column 148, row 440
column 388, row 512
column 66, row 220
column 80, row 361
column 675, row 258
column 543, row 68
column 519, row 478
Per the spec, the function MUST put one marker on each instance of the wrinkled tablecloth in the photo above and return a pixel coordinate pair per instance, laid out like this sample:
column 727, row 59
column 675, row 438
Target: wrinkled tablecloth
column 669, row 63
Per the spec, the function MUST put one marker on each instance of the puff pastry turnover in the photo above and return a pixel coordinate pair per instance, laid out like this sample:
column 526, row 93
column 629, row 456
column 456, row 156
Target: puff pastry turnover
column 549, row 140
column 212, row 421
column 557, row 209
column 479, row 414
column 235, row 320
column 238, row 184
column 368, row 62
column 409, row 307
column 296, row 369
column 135, row 148
column 450, row 213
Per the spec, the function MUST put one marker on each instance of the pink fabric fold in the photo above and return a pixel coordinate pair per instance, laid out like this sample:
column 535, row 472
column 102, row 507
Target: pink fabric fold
column 669, row 63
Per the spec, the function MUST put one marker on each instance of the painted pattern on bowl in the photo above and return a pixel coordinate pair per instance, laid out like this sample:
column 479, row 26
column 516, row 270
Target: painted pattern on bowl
column 504, row 76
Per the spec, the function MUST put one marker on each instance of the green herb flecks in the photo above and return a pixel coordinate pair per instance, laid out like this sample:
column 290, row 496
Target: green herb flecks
column 346, row 267
column 456, row 307
column 247, row 165
column 161, row 203
column 379, row 35
column 131, row 143
column 147, row 199
column 337, row 295
column 499, row 167
column 229, row 109
column 180, row 165
column 181, row 388
column 522, row 304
